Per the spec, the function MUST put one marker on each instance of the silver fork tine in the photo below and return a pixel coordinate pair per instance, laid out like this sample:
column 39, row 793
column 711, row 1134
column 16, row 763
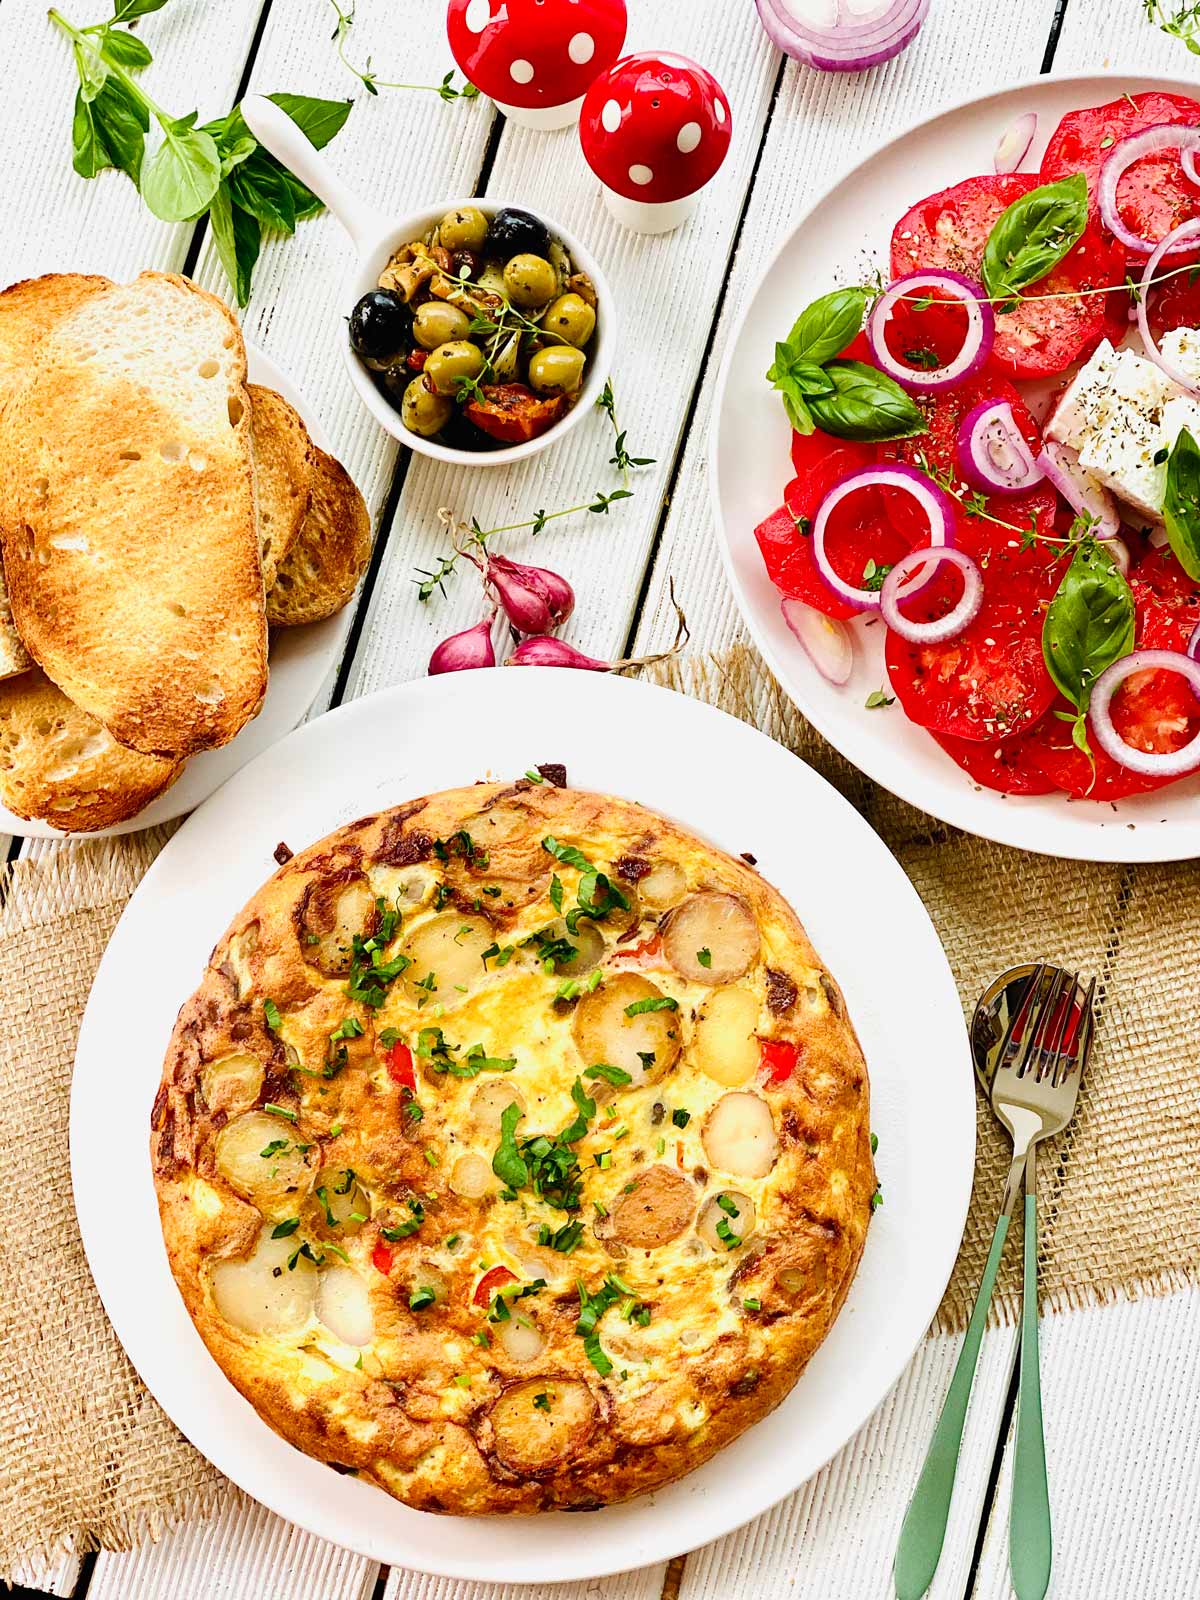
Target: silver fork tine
column 1060, row 1022
column 1032, row 984
column 1033, row 1024
column 1083, row 1044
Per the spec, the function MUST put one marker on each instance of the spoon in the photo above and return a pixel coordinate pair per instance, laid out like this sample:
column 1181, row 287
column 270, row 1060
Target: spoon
column 376, row 235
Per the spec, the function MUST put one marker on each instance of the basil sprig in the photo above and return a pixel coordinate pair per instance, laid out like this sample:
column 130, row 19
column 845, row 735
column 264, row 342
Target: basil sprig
column 1031, row 236
column 845, row 398
column 217, row 167
column 1181, row 502
column 1089, row 624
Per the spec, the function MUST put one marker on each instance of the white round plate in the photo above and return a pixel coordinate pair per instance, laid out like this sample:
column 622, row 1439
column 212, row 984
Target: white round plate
column 712, row 773
column 301, row 659
column 841, row 237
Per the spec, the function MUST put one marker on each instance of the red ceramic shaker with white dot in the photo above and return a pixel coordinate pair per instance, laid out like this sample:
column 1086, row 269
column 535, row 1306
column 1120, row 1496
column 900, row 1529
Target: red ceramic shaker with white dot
column 655, row 129
column 536, row 58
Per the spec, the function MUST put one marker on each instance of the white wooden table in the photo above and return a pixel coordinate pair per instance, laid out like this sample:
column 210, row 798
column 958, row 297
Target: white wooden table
column 1122, row 1384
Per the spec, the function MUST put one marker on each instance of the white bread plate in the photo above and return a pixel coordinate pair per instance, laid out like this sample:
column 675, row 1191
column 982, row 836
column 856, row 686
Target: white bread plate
column 301, row 659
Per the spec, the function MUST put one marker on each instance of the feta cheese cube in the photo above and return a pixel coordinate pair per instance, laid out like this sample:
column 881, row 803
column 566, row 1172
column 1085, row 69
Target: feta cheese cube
column 1075, row 412
column 1182, row 349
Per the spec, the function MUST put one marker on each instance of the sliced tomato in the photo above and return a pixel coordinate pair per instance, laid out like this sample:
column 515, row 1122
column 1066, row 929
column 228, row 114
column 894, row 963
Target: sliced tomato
column 997, row 543
column 1053, row 751
column 1167, row 602
column 927, row 332
column 777, row 1059
column 1008, row 766
column 1177, row 303
column 490, row 1284
column 382, row 1257
column 1045, row 334
column 512, row 413
column 859, row 532
column 987, row 684
column 1157, row 712
column 1154, row 196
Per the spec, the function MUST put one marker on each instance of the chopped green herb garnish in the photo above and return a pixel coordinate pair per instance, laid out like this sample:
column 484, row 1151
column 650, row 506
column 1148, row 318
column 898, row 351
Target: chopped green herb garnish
column 617, row 1076
column 681, row 1118
column 704, row 957
column 752, row 1303
column 279, row 1111
column 271, row 1016
column 542, row 1402
column 660, row 1002
column 420, row 1298
column 284, row 1229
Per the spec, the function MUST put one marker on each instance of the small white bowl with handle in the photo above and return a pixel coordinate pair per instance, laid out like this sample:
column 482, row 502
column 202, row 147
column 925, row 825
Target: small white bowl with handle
column 377, row 236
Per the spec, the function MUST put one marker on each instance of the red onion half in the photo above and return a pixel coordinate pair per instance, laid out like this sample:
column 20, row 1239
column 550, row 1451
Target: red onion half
column 976, row 347
column 842, row 35
column 829, row 644
column 992, row 451
column 1060, row 464
column 924, row 563
column 1013, row 144
column 1151, row 764
column 933, row 502
column 1185, row 231
column 1162, row 136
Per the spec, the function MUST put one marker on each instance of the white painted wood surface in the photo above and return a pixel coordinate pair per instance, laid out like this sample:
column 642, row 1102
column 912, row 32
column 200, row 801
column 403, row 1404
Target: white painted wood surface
column 1121, row 1383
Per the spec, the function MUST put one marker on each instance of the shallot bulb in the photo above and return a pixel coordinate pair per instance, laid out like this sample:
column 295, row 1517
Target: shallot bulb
column 543, row 652
column 463, row 651
column 534, row 599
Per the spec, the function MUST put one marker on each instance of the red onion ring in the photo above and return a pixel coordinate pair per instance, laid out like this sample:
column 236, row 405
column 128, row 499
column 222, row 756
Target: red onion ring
column 1192, row 648
column 976, row 347
column 1150, row 764
column 828, row 643
column 922, row 562
column 1187, row 160
column 1162, row 136
column 935, row 504
column 1060, row 464
column 992, row 452
column 1013, row 145
column 844, row 46
column 1185, row 230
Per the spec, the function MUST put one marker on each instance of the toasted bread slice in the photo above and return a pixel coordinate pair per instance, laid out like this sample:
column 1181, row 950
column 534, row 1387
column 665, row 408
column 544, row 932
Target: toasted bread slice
column 27, row 311
column 132, row 558
column 283, row 474
column 325, row 564
column 60, row 765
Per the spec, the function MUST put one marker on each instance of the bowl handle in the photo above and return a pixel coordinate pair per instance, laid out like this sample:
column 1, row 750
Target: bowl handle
column 288, row 143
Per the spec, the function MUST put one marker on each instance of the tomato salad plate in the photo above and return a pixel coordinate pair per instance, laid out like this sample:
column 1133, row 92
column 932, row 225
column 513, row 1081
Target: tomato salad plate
column 957, row 469
column 736, row 791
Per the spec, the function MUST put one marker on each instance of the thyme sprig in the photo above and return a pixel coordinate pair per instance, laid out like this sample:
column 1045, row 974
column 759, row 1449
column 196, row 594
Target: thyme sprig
column 469, row 537
column 1182, row 24
column 446, row 90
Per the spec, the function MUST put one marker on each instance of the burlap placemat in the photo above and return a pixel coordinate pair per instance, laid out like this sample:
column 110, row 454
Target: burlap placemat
column 86, row 1455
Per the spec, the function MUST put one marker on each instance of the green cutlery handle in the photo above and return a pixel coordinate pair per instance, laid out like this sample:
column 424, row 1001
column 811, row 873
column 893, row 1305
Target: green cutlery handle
column 924, row 1529
column 1030, row 1545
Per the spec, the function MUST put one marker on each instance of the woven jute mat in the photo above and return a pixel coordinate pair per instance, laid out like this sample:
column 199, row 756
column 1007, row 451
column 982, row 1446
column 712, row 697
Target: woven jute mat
column 86, row 1455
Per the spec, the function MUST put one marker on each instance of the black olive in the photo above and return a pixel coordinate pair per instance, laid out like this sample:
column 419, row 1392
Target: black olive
column 380, row 326
column 466, row 264
column 515, row 233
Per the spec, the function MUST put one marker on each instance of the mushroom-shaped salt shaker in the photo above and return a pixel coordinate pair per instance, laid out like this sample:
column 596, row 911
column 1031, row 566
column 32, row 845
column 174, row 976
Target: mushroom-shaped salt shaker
column 536, row 58
column 655, row 129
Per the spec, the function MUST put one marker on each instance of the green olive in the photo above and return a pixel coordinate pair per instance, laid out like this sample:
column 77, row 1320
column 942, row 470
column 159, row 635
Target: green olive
column 530, row 281
column 557, row 370
column 424, row 412
column 437, row 323
column 572, row 319
column 465, row 229
column 451, row 362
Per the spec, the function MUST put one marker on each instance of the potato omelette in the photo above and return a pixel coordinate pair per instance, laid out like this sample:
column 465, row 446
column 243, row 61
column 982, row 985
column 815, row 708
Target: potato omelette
column 514, row 1151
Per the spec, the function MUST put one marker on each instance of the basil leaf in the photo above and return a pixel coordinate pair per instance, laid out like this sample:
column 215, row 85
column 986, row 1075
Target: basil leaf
column 825, row 328
column 1089, row 623
column 109, row 131
column 1031, row 236
column 258, row 187
column 237, row 237
column 125, row 49
column 126, row 10
column 811, row 379
column 794, row 404
column 507, row 1163
column 320, row 120
column 1181, row 502
column 181, row 177
column 235, row 154
column 865, row 404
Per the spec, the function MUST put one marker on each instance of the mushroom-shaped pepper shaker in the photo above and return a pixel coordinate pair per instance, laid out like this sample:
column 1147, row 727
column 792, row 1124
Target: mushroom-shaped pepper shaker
column 536, row 58
column 655, row 129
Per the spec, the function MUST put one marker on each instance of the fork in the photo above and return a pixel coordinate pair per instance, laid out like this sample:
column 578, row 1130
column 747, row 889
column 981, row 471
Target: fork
column 1037, row 1077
